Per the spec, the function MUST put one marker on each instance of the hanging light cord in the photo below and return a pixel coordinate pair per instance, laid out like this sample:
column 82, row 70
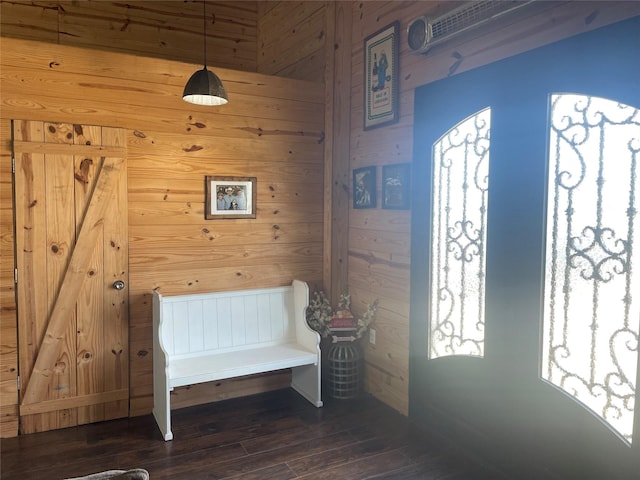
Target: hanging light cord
column 204, row 87
column 204, row 22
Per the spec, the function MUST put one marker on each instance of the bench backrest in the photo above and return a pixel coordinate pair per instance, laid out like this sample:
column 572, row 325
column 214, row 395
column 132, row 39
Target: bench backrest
column 226, row 321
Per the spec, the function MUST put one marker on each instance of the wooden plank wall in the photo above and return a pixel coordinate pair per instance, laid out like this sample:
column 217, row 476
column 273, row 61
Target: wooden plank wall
column 291, row 39
column 272, row 129
column 8, row 318
column 311, row 40
column 171, row 30
column 379, row 240
column 167, row 29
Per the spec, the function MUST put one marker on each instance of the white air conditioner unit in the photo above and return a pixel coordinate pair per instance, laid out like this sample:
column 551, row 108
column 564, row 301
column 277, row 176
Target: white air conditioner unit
column 423, row 33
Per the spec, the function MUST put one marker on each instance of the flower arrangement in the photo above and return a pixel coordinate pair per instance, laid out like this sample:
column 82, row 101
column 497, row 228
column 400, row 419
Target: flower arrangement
column 322, row 318
column 319, row 313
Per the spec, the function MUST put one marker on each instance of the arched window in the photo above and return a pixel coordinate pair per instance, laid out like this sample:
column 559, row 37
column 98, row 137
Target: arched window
column 458, row 245
column 592, row 277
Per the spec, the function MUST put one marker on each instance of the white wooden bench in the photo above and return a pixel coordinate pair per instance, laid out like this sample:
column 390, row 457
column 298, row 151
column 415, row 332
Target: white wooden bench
column 212, row 336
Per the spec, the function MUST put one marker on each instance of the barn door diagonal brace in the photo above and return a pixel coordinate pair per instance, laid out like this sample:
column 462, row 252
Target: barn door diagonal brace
column 90, row 230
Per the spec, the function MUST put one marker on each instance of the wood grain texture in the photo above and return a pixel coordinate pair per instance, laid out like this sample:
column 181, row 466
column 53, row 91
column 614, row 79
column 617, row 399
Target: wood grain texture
column 69, row 249
column 163, row 29
column 276, row 435
column 379, row 241
column 339, row 187
column 276, row 134
column 142, row 93
column 53, row 374
column 90, row 318
column 292, row 40
column 30, row 212
column 116, row 365
column 73, row 276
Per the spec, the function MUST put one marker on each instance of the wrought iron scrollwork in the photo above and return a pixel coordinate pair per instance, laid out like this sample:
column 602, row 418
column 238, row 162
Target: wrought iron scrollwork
column 460, row 194
column 591, row 319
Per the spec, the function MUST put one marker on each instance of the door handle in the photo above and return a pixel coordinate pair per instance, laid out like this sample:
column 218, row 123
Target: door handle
column 118, row 284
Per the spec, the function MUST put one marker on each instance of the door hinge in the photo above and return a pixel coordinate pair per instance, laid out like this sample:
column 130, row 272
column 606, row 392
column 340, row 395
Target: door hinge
column 15, row 276
column 19, row 383
column 13, row 165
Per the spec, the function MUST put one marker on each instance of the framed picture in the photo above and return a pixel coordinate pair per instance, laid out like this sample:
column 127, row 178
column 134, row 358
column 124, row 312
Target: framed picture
column 364, row 187
column 396, row 186
column 229, row 197
column 381, row 77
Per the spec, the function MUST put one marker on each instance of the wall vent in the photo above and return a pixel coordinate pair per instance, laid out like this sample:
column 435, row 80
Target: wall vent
column 423, row 33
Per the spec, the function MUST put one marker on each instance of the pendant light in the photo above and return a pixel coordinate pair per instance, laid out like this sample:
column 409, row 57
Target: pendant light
column 204, row 87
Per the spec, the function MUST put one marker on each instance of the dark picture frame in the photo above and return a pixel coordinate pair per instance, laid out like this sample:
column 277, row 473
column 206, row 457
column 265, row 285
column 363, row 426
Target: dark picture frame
column 396, row 186
column 364, row 187
column 229, row 197
column 381, row 82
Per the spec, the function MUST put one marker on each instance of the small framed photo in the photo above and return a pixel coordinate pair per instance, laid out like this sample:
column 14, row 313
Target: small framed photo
column 364, row 187
column 229, row 197
column 396, row 186
column 381, row 77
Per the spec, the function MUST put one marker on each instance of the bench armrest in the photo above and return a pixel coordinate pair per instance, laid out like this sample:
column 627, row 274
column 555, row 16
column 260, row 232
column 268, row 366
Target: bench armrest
column 159, row 351
column 305, row 335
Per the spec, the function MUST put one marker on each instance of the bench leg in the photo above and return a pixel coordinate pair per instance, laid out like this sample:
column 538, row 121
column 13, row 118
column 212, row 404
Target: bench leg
column 162, row 408
column 306, row 381
column 162, row 415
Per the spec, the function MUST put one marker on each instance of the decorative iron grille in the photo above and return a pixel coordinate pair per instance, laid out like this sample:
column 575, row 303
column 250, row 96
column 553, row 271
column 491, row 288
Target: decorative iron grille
column 591, row 317
column 460, row 184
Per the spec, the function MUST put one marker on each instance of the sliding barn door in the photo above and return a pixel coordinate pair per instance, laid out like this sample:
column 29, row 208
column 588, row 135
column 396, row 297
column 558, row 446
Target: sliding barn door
column 72, row 273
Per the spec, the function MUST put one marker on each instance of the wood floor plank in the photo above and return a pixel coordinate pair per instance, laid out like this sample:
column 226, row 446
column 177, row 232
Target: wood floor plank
column 272, row 436
column 361, row 468
column 367, row 449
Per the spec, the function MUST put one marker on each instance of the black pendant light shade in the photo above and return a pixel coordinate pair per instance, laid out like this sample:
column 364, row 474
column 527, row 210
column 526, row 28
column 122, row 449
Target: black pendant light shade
column 204, row 87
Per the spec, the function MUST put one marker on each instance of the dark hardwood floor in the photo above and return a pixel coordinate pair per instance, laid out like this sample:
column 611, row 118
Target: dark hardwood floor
column 277, row 435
